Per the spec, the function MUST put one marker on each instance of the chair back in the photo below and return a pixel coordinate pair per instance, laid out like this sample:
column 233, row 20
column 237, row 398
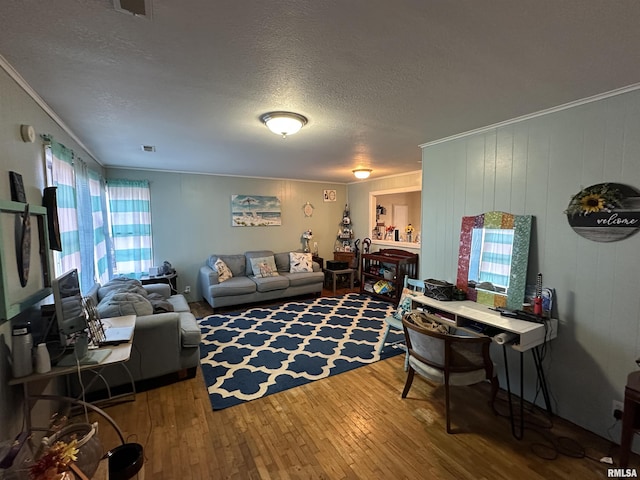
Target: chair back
column 444, row 351
column 414, row 284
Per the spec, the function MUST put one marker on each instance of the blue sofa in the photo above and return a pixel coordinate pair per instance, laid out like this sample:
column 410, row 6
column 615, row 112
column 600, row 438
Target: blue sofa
column 164, row 342
column 244, row 287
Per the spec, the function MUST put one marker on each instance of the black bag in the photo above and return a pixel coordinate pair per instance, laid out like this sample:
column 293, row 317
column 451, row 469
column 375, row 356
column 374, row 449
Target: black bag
column 438, row 290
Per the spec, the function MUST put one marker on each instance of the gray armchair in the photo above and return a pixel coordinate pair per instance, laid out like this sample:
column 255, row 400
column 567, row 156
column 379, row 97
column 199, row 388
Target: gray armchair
column 446, row 359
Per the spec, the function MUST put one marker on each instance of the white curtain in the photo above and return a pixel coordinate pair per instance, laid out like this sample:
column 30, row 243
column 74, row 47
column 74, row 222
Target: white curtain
column 130, row 214
column 63, row 176
column 101, row 242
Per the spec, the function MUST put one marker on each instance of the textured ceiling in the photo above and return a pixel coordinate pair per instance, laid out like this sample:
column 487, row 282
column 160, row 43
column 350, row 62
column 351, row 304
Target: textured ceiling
column 376, row 78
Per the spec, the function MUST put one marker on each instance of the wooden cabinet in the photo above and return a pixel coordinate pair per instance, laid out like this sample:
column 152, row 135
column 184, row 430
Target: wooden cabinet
column 390, row 264
column 348, row 257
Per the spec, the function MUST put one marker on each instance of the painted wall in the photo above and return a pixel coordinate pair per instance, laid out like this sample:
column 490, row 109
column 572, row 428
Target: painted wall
column 17, row 108
column 534, row 167
column 191, row 218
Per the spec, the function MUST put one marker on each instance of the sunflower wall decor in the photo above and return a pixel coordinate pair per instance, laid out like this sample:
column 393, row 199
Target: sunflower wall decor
column 605, row 212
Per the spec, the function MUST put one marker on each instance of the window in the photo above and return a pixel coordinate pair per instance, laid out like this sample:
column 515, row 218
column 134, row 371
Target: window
column 87, row 207
column 130, row 215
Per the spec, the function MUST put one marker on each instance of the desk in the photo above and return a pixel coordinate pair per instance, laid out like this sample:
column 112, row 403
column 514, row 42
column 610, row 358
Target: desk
column 118, row 356
column 478, row 319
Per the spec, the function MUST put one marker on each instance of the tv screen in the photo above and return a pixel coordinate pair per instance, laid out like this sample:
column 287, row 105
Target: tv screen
column 70, row 313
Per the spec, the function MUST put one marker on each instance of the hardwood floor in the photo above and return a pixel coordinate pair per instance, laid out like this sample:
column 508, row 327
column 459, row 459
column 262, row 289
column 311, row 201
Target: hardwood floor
column 350, row 426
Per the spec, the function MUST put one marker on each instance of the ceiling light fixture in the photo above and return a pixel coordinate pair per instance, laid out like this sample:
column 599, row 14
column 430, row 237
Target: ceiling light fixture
column 283, row 123
column 362, row 173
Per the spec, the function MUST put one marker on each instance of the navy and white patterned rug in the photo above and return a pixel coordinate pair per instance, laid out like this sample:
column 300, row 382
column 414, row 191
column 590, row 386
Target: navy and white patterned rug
column 253, row 353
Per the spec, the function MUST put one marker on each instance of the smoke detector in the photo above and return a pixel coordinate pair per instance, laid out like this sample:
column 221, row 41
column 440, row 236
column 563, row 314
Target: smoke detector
column 137, row 8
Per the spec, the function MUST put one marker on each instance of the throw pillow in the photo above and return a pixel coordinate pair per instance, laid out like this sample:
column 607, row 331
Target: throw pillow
column 404, row 305
column 264, row 267
column 223, row 271
column 300, row 262
column 428, row 321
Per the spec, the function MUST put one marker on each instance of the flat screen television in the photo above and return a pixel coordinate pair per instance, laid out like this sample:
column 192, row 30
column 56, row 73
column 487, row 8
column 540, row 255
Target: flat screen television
column 71, row 318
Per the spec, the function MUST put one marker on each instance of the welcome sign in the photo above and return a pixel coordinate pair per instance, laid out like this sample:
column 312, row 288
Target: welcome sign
column 605, row 212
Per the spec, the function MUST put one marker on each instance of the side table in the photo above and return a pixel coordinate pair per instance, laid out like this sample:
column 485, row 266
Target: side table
column 171, row 280
column 318, row 260
column 333, row 276
column 630, row 417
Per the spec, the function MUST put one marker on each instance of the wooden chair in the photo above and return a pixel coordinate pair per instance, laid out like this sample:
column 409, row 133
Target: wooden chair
column 394, row 322
column 446, row 359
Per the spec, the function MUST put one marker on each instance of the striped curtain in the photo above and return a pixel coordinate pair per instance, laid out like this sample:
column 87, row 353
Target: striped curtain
column 101, row 251
column 85, row 224
column 63, row 176
column 495, row 259
column 130, row 214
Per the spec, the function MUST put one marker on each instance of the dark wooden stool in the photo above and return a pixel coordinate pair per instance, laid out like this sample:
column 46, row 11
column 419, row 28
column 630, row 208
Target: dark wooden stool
column 630, row 417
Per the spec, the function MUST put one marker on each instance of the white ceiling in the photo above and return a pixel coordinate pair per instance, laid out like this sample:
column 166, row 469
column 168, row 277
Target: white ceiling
column 376, row 78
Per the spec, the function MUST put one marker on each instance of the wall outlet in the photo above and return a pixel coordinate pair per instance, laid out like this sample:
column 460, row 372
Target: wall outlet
column 617, row 407
column 187, row 289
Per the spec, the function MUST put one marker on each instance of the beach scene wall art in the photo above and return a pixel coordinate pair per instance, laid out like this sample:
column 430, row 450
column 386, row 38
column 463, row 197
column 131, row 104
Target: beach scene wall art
column 255, row 211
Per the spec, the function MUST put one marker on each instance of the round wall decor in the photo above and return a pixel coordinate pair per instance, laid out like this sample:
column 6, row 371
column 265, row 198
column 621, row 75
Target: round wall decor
column 605, row 212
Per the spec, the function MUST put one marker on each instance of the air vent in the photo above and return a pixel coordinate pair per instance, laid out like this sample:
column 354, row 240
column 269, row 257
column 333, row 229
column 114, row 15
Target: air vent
column 138, row 8
column 148, row 148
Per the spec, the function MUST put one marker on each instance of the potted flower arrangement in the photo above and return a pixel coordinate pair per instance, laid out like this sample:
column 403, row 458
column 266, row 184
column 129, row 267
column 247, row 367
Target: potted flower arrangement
column 409, row 232
column 390, row 229
column 56, row 462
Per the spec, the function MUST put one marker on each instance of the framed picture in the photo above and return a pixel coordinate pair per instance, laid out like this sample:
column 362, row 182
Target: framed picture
column 329, row 195
column 255, row 211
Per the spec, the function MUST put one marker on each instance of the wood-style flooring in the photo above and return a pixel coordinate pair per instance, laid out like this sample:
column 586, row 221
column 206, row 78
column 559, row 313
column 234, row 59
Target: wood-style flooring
column 350, row 426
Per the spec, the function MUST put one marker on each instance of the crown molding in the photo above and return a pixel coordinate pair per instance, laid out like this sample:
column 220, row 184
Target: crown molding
column 564, row 106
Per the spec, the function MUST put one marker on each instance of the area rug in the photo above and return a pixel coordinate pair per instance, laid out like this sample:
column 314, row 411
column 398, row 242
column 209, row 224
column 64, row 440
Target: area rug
column 253, row 353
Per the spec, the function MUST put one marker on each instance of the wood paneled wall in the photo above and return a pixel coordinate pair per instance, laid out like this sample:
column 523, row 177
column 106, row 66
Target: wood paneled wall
column 534, row 167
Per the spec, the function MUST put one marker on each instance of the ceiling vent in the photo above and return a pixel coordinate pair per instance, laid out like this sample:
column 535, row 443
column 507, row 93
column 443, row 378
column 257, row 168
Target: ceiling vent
column 138, row 8
column 148, row 148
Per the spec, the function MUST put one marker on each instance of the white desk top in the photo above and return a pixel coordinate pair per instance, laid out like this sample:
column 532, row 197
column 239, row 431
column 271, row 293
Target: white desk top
column 530, row 334
column 119, row 353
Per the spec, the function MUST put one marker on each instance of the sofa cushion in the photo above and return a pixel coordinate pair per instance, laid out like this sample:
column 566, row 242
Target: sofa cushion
column 236, row 263
column 254, row 254
column 268, row 284
column 304, row 278
column 179, row 303
column 159, row 303
column 282, row 262
column 301, row 262
column 117, row 304
column 264, row 266
column 224, row 273
column 233, row 286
